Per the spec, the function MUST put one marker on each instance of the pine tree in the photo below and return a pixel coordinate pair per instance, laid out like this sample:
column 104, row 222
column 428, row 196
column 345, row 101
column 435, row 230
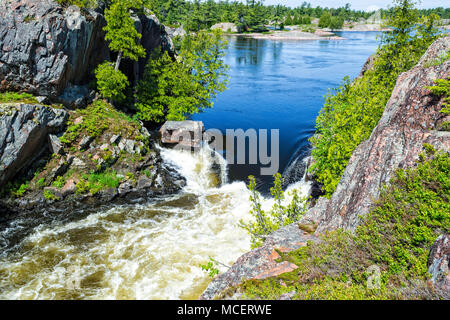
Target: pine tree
column 121, row 32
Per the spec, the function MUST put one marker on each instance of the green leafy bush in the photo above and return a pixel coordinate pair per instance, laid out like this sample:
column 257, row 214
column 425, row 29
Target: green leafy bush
column 396, row 236
column 265, row 222
column 173, row 89
column 351, row 112
column 111, row 83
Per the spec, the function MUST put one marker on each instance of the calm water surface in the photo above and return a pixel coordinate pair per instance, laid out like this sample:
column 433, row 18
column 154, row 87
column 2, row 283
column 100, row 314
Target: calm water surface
column 281, row 85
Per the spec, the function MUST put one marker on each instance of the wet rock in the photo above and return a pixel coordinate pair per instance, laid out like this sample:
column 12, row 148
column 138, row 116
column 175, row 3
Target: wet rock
column 144, row 183
column 439, row 264
column 182, row 134
column 125, row 188
column 261, row 263
column 24, row 131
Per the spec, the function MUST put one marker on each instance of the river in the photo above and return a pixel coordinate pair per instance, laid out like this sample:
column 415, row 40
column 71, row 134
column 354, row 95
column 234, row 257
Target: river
column 153, row 251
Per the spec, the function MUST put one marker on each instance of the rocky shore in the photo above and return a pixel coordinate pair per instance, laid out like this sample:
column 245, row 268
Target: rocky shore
column 62, row 148
column 411, row 119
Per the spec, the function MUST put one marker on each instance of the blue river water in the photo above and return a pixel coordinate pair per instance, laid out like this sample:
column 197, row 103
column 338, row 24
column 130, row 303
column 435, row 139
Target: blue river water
column 280, row 84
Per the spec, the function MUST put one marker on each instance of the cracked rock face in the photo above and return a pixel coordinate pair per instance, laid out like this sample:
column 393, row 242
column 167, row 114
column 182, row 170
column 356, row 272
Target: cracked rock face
column 24, row 134
column 439, row 263
column 261, row 263
column 411, row 118
column 46, row 49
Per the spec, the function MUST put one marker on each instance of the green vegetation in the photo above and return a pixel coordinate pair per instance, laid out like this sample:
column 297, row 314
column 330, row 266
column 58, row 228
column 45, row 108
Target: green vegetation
column 49, row 195
column 210, row 268
column 95, row 182
column 95, row 119
column 111, row 83
column 442, row 89
column 173, row 89
column 265, row 222
column 395, row 237
column 7, row 97
column 88, row 4
column 121, row 32
column 354, row 109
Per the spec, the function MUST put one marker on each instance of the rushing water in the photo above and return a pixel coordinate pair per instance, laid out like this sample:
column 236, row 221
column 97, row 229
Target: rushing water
column 154, row 251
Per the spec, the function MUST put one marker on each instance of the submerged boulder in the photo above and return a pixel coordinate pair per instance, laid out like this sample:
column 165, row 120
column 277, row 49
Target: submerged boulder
column 24, row 135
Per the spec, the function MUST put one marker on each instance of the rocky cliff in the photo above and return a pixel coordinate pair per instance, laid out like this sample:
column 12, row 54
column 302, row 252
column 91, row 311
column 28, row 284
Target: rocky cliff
column 51, row 51
column 53, row 157
column 411, row 119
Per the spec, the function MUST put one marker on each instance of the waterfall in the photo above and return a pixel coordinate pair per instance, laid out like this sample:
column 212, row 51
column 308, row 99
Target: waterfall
column 151, row 251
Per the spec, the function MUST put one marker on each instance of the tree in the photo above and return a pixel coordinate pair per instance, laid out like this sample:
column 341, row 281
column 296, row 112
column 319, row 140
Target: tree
column 325, row 20
column 172, row 89
column 289, row 21
column 121, row 33
column 111, row 82
column 336, row 23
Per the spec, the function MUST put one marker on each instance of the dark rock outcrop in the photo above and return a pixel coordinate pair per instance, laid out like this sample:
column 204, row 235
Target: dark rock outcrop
column 51, row 51
column 439, row 264
column 24, row 132
column 44, row 47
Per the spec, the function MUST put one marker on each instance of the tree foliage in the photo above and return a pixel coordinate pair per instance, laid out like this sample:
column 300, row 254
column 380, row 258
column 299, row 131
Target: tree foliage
column 265, row 222
column 172, row 89
column 111, row 83
column 121, row 32
column 353, row 110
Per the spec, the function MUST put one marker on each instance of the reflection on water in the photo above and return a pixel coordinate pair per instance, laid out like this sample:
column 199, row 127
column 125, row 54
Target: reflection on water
column 280, row 84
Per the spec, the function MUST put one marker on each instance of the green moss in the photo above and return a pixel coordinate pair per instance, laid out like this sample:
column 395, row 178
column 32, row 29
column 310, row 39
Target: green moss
column 49, row 195
column 7, row 97
column 96, row 119
column 95, row 182
column 21, row 190
column 396, row 236
column 59, row 182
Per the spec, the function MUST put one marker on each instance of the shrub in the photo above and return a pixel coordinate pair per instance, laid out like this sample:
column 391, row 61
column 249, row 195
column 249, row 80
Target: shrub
column 278, row 216
column 111, row 83
column 351, row 112
column 173, row 89
column 396, row 236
